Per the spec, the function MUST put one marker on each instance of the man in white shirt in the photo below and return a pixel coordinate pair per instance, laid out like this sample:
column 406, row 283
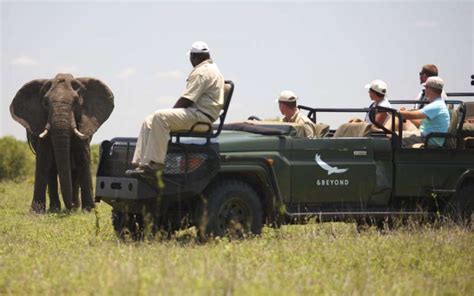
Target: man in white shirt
column 377, row 91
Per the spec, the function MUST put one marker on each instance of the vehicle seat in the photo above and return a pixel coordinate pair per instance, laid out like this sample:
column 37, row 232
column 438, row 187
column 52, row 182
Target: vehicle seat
column 321, row 130
column 204, row 129
column 453, row 128
column 468, row 127
column 354, row 129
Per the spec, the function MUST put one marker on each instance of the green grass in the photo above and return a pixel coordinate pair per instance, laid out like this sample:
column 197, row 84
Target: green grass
column 68, row 254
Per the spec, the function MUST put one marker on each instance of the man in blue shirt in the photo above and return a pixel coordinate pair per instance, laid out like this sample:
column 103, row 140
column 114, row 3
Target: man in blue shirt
column 435, row 115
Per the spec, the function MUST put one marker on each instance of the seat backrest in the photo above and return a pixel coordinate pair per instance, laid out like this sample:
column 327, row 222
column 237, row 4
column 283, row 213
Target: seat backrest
column 205, row 130
column 321, row 130
column 353, row 129
column 453, row 121
column 228, row 92
column 469, row 110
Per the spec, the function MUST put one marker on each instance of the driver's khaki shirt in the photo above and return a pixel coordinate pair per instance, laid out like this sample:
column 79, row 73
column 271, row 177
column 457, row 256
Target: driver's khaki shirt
column 302, row 119
column 205, row 87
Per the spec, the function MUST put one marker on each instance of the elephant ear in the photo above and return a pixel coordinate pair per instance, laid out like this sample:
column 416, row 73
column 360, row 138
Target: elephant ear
column 97, row 106
column 27, row 109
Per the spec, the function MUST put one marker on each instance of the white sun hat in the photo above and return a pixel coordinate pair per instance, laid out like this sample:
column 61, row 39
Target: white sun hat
column 199, row 47
column 378, row 86
column 287, row 96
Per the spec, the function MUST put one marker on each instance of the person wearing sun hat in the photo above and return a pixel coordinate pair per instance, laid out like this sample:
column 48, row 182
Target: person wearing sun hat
column 288, row 108
column 434, row 115
column 201, row 101
column 377, row 93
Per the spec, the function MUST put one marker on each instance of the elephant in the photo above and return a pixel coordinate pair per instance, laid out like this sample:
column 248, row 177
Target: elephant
column 54, row 203
column 60, row 115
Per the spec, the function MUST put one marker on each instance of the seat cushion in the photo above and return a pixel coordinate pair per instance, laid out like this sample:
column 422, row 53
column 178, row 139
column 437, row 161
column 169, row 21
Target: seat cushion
column 468, row 129
column 200, row 128
column 469, row 142
column 354, row 129
column 321, row 130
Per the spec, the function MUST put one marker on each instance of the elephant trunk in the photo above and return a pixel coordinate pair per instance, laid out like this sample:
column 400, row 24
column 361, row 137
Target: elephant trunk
column 61, row 140
column 61, row 147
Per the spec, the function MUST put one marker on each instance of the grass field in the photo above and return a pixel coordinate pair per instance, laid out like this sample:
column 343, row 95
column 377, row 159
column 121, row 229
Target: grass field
column 78, row 254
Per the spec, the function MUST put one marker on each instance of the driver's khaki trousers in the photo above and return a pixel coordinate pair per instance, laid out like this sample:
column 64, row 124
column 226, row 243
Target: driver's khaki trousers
column 154, row 136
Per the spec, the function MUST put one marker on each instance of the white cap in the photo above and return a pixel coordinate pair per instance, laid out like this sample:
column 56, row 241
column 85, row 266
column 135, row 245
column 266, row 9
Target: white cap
column 378, row 86
column 434, row 82
column 199, row 47
column 287, row 96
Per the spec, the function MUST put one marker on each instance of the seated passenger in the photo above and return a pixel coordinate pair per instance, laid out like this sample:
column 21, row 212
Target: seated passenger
column 291, row 113
column 427, row 71
column 377, row 92
column 434, row 115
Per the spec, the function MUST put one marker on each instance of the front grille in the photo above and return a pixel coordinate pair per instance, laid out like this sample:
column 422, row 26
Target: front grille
column 176, row 163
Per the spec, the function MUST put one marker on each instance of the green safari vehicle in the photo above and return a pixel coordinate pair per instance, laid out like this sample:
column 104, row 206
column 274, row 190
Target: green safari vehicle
column 237, row 177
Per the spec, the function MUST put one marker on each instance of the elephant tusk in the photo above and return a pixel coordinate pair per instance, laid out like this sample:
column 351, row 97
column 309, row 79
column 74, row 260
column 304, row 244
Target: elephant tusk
column 79, row 134
column 44, row 133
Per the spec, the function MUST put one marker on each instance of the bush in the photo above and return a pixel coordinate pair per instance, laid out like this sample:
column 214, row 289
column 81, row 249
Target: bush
column 16, row 159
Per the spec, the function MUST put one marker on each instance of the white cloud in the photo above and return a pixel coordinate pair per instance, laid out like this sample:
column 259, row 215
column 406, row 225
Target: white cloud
column 175, row 74
column 426, row 24
column 24, row 61
column 127, row 73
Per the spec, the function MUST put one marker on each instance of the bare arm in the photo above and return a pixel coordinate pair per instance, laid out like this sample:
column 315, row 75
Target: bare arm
column 183, row 103
column 416, row 122
column 414, row 114
column 380, row 117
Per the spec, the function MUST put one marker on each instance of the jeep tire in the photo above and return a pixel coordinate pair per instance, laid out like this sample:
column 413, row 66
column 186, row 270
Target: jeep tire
column 131, row 226
column 460, row 207
column 230, row 208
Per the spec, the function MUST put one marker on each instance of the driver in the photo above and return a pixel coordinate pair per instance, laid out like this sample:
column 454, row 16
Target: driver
column 201, row 101
column 291, row 113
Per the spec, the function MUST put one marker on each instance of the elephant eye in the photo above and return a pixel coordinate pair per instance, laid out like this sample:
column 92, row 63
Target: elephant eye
column 77, row 86
column 45, row 103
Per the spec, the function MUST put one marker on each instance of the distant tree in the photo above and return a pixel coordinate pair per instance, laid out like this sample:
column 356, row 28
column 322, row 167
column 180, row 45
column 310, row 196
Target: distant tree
column 16, row 159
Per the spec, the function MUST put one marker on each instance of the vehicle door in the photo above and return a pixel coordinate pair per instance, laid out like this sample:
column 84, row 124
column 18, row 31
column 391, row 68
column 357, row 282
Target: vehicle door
column 340, row 172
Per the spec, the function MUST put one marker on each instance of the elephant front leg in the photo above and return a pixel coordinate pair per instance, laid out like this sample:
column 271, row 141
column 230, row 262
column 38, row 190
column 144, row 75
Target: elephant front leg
column 38, row 205
column 75, row 189
column 54, row 203
column 86, row 188
column 83, row 170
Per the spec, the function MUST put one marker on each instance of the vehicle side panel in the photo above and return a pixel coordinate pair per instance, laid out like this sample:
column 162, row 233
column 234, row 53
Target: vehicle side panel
column 347, row 172
column 419, row 171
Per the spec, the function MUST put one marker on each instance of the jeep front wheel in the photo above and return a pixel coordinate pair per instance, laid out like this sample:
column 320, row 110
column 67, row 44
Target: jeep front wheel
column 132, row 226
column 231, row 208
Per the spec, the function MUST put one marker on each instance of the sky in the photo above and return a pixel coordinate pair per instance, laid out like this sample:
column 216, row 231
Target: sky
column 326, row 52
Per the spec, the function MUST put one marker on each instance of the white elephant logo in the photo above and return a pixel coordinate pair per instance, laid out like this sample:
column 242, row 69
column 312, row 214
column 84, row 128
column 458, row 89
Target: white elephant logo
column 328, row 168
